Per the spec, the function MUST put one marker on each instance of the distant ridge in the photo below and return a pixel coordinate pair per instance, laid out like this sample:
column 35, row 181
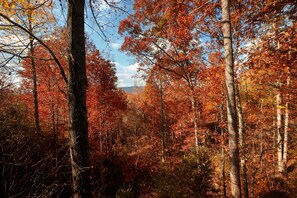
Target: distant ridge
column 131, row 89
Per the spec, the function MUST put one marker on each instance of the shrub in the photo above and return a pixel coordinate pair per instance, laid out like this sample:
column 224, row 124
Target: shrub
column 126, row 191
column 29, row 165
column 191, row 178
column 277, row 187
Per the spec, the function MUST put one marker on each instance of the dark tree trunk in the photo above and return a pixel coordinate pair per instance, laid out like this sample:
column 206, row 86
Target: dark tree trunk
column 162, row 128
column 35, row 92
column 77, row 84
column 34, row 77
column 231, row 102
column 53, row 120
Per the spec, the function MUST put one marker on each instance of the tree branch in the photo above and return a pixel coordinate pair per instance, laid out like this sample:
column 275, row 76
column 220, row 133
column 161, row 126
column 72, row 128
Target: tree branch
column 41, row 42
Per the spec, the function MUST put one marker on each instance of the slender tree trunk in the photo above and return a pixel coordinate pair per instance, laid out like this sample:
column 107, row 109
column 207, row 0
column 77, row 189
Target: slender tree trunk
column 57, row 120
column 241, row 132
column 100, row 142
column 279, row 120
column 34, row 77
column 279, row 133
column 77, row 85
column 195, row 122
column 53, row 122
column 231, row 102
column 223, row 166
column 57, row 134
column 286, row 130
column 106, row 142
column 52, row 110
column 261, row 137
column 162, row 122
column 223, row 153
column 100, row 134
column 121, row 126
column 253, row 185
column 136, row 133
column 273, row 146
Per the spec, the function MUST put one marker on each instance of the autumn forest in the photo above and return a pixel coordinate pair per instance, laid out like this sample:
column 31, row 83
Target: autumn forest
column 215, row 116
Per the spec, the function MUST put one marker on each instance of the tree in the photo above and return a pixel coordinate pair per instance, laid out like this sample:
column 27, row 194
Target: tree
column 231, row 102
column 52, row 92
column 156, row 78
column 34, row 14
column 77, row 87
column 166, row 37
column 105, row 102
column 273, row 27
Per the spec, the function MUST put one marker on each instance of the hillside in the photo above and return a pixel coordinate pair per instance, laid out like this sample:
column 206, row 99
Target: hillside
column 131, row 89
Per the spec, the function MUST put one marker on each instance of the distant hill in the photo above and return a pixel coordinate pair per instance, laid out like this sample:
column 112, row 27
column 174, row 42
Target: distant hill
column 131, row 89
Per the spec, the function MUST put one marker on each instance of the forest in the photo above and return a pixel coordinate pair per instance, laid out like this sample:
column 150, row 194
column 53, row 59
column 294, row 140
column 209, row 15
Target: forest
column 216, row 115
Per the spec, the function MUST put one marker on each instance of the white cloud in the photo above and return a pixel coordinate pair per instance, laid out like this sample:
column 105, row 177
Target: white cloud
column 127, row 75
column 115, row 45
column 133, row 67
column 14, row 43
column 101, row 5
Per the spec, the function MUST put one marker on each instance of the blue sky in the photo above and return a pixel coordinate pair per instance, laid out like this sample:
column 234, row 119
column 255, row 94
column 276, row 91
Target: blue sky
column 126, row 66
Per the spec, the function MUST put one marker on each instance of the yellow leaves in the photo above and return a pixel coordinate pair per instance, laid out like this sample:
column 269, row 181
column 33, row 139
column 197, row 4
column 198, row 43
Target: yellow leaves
column 5, row 5
column 11, row 7
column 281, row 107
column 34, row 12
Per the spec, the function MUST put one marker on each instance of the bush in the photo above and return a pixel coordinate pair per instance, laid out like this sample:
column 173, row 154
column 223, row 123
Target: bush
column 126, row 191
column 192, row 178
column 29, row 165
column 277, row 187
column 107, row 174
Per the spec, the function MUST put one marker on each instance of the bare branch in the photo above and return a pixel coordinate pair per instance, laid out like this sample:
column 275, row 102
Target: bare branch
column 41, row 42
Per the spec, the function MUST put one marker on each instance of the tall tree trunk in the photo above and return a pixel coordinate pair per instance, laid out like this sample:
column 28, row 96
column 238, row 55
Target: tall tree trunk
column 273, row 146
column 231, row 102
column 53, row 120
column 279, row 133
column 162, row 121
column 34, row 78
column 100, row 133
column 106, row 142
column 241, row 132
column 261, row 136
column 286, row 130
column 57, row 120
column 100, row 141
column 279, row 119
column 223, row 153
column 136, row 134
column 77, row 85
column 195, row 122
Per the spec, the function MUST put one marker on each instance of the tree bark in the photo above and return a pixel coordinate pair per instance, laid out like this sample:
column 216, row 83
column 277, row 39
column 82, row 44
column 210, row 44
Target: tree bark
column 78, row 121
column 162, row 122
column 223, row 153
column 279, row 133
column 231, row 102
column 57, row 120
column 273, row 146
column 195, row 122
column 286, row 129
column 53, row 120
column 241, row 132
column 34, row 76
